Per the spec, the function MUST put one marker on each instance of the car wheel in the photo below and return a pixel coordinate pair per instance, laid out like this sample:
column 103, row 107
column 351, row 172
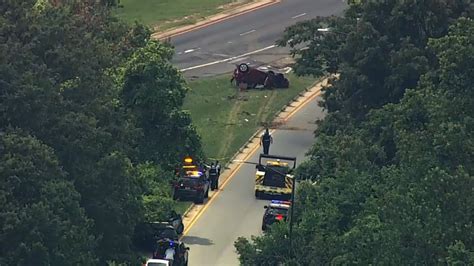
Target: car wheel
column 244, row 68
column 180, row 229
column 258, row 194
column 199, row 199
column 175, row 195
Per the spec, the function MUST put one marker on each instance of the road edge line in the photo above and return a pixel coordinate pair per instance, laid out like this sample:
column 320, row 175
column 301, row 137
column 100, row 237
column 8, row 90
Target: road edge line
column 210, row 21
column 317, row 86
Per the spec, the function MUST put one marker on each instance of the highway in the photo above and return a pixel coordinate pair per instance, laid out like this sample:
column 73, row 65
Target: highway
column 247, row 38
column 235, row 211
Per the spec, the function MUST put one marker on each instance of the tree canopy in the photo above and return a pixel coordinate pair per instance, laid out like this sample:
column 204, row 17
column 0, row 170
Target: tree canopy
column 390, row 176
column 87, row 104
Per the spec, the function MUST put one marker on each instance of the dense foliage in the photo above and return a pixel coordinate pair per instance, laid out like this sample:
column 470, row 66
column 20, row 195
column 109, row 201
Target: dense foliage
column 87, row 107
column 390, row 178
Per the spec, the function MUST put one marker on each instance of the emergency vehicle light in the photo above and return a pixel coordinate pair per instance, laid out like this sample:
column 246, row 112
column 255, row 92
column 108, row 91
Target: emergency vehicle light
column 188, row 160
column 279, row 217
column 281, row 202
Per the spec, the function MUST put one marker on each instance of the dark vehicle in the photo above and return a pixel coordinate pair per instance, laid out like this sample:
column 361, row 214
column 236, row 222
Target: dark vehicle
column 214, row 176
column 146, row 234
column 176, row 220
column 251, row 78
column 194, row 184
column 274, row 178
column 173, row 251
column 276, row 211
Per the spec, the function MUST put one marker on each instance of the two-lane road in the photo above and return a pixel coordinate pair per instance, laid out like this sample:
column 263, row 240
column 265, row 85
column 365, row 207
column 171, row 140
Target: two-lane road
column 251, row 37
column 235, row 211
column 214, row 50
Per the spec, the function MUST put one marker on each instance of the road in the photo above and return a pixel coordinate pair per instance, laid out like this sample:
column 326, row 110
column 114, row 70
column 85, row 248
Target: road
column 235, row 211
column 248, row 38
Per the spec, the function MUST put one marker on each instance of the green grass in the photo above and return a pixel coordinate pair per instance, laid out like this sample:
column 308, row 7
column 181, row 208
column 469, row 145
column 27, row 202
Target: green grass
column 219, row 115
column 182, row 206
column 165, row 14
column 226, row 122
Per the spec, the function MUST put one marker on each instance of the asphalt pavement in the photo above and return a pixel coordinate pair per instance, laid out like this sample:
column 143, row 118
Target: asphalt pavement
column 235, row 211
column 247, row 38
column 215, row 49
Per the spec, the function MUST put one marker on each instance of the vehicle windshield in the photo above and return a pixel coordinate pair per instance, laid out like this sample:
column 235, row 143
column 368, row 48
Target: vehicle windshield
column 189, row 181
column 277, row 210
column 169, row 233
column 275, row 176
column 157, row 264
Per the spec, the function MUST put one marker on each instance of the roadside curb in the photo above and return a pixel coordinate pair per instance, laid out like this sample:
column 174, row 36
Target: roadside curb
column 287, row 111
column 246, row 8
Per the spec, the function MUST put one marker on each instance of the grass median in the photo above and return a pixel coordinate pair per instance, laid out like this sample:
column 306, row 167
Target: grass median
column 166, row 14
column 226, row 119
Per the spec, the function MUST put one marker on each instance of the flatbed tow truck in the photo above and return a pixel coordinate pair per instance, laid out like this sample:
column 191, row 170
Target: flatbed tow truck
column 275, row 176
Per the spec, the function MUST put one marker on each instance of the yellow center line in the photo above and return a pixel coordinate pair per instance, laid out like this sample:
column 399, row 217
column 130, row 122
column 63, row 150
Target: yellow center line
column 214, row 196
column 232, row 174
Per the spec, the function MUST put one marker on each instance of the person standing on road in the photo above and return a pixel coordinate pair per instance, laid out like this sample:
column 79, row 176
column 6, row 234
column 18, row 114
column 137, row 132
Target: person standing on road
column 266, row 140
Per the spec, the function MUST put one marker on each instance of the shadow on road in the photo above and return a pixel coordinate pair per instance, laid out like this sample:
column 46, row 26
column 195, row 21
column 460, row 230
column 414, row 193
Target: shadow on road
column 195, row 240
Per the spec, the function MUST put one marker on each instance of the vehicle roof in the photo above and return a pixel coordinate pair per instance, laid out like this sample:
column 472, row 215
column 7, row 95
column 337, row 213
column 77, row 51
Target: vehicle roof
column 192, row 174
column 156, row 260
column 279, row 206
column 160, row 261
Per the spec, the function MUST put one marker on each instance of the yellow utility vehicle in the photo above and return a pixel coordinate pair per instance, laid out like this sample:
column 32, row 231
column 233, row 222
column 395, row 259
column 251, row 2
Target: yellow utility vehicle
column 274, row 177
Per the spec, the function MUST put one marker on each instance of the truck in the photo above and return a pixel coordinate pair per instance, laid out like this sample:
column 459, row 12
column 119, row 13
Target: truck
column 274, row 177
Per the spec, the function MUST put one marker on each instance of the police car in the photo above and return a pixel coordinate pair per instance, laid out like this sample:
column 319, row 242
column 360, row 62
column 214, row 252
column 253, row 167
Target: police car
column 192, row 182
column 276, row 211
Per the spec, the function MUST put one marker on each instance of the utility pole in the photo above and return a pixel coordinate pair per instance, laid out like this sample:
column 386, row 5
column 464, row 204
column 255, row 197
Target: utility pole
column 291, row 213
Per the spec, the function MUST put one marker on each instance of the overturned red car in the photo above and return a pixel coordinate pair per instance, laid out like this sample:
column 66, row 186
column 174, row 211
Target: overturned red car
column 248, row 77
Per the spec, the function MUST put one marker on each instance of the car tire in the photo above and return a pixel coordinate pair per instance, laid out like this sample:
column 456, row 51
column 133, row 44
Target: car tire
column 175, row 195
column 244, row 68
column 180, row 229
column 258, row 194
column 199, row 199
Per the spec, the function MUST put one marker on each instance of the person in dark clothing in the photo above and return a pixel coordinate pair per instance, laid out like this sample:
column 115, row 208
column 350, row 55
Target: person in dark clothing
column 266, row 140
column 214, row 176
column 218, row 168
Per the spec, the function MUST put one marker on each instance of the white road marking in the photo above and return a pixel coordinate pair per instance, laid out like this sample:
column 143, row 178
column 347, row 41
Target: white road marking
column 287, row 70
column 189, row 51
column 238, row 60
column 229, row 59
column 247, row 32
column 300, row 15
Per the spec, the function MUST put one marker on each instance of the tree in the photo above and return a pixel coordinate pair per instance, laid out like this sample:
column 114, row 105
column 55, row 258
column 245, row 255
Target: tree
column 377, row 46
column 40, row 219
column 67, row 94
column 395, row 188
column 154, row 90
